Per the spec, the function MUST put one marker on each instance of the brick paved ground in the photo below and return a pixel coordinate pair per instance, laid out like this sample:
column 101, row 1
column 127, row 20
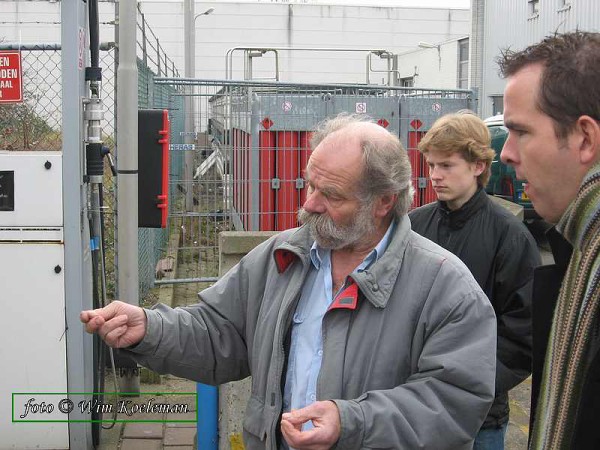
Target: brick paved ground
column 518, row 427
column 162, row 435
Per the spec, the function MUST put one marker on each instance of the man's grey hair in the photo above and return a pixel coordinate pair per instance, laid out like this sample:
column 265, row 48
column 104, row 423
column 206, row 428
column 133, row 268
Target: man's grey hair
column 386, row 167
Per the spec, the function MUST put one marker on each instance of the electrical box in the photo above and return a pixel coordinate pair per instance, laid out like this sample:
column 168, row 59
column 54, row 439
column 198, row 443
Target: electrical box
column 153, row 168
column 32, row 323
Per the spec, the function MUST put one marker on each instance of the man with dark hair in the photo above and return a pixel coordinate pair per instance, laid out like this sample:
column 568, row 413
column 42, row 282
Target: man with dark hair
column 552, row 111
column 358, row 333
column 495, row 246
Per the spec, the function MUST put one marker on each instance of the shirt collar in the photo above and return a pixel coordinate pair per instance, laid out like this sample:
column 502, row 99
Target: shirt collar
column 318, row 254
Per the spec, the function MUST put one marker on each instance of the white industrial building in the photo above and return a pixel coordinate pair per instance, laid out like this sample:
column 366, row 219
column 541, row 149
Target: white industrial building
column 306, row 27
column 517, row 24
column 441, row 64
column 331, row 42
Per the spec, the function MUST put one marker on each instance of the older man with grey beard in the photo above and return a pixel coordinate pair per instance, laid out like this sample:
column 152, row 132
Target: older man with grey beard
column 358, row 333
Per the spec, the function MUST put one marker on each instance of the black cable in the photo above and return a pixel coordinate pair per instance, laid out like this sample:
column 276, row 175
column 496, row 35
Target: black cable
column 94, row 33
column 97, row 343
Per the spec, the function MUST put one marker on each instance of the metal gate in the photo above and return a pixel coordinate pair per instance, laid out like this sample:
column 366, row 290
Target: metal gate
column 251, row 144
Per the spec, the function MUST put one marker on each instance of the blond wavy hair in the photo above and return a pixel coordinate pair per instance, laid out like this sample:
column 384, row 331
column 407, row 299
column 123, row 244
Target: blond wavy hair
column 463, row 133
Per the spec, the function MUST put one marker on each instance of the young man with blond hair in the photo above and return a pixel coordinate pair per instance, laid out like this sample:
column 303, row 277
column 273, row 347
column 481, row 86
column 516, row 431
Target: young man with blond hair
column 494, row 245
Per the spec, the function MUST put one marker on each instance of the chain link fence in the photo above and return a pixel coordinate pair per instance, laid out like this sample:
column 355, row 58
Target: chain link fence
column 35, row 124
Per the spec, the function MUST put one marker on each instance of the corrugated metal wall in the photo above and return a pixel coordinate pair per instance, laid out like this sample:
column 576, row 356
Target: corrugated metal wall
column 510, row 23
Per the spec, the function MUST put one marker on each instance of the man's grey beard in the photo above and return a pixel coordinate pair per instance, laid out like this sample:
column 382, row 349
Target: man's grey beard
column 331, row 236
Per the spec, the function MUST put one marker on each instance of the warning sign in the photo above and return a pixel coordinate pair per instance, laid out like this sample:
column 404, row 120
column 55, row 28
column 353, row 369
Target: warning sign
column 11, row 86
column 360, row 108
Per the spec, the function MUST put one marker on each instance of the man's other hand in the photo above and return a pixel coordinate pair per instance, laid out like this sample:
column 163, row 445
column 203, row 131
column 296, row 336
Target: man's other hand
column 119, row 324
column 326, row 420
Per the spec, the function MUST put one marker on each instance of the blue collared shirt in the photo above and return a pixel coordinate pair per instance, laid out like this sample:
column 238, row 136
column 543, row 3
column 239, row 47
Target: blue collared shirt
column 306, row 349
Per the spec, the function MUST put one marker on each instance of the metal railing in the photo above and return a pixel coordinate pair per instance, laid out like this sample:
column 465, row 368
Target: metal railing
column 252, row 142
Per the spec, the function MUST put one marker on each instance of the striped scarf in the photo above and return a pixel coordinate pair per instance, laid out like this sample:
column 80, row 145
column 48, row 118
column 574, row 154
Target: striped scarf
column 575, row 319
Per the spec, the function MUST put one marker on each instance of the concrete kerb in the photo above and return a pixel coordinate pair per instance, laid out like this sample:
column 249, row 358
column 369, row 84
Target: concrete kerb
column 165, row 291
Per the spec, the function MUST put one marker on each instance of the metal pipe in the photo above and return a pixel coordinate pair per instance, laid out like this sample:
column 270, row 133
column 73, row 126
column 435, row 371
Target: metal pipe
column 190, row 72
column 207, row 418
column 283, row 84
column 389, row 71
column 187, row 280
column 104, row 46
column 229, row 53
column 207, row 404
column 29, row 47
column 77, row 263
column 127, row 163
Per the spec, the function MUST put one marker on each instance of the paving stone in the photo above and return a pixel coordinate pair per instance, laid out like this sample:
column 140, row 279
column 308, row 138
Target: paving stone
column 180, row 436
column 141, row 416
column 141, row 444
column 188, row 416
column 109, row 438
column 180, row 447
column 143, row 430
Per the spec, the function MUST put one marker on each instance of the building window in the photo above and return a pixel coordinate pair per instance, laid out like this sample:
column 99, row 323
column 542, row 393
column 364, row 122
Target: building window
column 534, row 7
column 407, row 81
column 564, row 5
column 463, row 64
column 497, row 104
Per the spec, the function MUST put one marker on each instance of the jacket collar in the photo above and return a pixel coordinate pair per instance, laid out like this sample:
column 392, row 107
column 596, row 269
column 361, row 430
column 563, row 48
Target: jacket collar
column 561, row 248
column 376, row 283
column 456, row 219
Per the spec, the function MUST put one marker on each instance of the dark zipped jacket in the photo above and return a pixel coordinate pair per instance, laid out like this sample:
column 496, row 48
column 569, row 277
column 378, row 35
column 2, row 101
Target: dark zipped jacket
column 502, row 255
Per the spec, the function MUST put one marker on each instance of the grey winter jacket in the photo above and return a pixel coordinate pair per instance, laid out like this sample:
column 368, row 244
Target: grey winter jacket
column 410, row 363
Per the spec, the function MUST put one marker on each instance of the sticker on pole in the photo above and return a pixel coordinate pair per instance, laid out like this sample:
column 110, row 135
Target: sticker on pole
column 436, row 107
column 361, row 108
column 81, row 49
column 11, row 77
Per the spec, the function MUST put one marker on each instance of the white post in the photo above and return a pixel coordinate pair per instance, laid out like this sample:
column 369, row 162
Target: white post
column 127, row 165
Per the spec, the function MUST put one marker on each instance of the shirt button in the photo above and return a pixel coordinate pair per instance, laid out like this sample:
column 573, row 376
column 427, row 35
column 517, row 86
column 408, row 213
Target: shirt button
column 320, row 353
column 375, row 287
column 313, row 397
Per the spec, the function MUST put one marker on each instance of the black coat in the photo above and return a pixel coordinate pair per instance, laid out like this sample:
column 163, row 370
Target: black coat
column 501, row 254
column 546, row 285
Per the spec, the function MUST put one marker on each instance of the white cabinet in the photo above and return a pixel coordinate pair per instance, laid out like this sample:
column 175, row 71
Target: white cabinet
column 32, row 299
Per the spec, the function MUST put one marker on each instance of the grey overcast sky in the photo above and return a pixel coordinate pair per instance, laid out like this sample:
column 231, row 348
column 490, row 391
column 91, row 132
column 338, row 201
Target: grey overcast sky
column 409, row 3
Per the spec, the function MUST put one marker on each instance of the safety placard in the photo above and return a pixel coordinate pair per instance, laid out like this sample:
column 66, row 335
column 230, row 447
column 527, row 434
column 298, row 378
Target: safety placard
column 183, row 147
column 11, row 77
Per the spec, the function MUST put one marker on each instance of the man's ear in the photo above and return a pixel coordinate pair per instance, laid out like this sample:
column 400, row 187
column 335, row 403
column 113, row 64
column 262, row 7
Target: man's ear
column 589, row 140
column 385, row 204
column 479, row 167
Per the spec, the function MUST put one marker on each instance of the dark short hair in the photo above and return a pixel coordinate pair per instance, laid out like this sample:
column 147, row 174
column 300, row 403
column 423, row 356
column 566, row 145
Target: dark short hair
column 569, row 86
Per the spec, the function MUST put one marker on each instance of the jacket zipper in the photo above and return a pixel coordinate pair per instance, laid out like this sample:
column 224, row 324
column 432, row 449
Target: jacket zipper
column 271, row 437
